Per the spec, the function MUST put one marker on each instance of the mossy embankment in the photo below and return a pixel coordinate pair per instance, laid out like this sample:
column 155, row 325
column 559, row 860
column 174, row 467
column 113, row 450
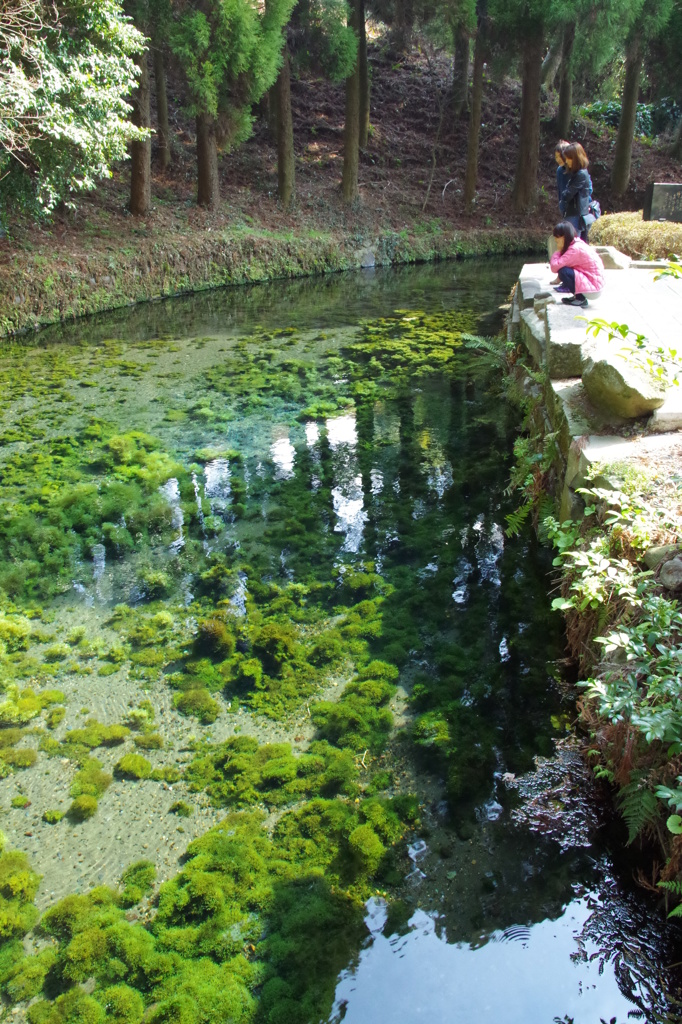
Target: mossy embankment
column 51, row 284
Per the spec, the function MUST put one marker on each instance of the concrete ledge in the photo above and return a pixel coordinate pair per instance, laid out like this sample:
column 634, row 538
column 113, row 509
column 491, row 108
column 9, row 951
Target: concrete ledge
column 534, row 335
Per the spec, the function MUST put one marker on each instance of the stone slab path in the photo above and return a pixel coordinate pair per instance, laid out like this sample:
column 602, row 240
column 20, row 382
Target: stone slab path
column 556, row 337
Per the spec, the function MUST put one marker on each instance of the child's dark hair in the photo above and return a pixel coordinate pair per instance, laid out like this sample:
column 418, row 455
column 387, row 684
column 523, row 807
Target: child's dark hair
column 564, row 229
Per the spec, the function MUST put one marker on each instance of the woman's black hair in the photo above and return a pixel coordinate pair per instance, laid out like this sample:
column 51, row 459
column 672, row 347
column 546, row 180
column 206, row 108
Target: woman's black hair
column 564, row 229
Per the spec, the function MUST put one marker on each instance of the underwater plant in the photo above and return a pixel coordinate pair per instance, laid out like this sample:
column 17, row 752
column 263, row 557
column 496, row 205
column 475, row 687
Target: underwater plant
column 132, row 766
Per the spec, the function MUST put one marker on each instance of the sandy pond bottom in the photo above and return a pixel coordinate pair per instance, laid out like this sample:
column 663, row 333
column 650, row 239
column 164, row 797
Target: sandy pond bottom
column 379, row 486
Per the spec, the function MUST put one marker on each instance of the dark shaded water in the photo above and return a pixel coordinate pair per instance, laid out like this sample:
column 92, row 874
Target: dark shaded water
column 321, row 453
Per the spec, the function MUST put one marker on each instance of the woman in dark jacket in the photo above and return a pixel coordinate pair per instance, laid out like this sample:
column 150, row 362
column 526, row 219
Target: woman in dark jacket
column 575, row 200
column 561, row 172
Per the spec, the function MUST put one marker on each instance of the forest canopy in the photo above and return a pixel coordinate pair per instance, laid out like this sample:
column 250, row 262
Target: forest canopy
column 65, row 72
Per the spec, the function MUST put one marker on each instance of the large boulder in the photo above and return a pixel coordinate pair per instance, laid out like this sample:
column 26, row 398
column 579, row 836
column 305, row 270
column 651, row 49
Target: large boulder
column 617, row 384
column 671, row 574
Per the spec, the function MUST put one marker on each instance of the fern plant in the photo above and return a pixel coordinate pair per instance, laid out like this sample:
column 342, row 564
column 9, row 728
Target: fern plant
column 675, row 888
column 638, row 807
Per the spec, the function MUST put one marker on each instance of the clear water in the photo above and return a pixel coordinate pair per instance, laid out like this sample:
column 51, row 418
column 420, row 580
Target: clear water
column 487, row 915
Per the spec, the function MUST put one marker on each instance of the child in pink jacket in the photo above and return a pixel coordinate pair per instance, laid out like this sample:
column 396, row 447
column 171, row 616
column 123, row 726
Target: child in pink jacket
column 577, row 265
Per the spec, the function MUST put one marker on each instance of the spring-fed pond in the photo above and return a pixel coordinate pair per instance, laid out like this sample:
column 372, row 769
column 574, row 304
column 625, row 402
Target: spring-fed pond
column 285, row 734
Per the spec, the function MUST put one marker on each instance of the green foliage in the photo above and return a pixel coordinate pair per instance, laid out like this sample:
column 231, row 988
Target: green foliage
column 329, row 45
column 15, row 632
column 123, row 1004
column 674, row 887
column 63, row 115
column 57, row 502
column 638, row 806
column 230, row 53
column 658, row 363
column 26, row 978
column 608, row 112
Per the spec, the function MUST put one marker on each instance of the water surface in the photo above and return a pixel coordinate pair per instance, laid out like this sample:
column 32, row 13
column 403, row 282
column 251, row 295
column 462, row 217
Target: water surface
column 255, row 496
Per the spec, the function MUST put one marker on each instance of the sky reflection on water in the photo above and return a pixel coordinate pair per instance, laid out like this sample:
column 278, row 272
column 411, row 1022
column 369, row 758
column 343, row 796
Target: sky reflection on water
column 522, row 975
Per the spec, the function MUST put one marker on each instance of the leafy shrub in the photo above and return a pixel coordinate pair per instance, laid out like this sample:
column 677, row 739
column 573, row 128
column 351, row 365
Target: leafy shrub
column 608, row 112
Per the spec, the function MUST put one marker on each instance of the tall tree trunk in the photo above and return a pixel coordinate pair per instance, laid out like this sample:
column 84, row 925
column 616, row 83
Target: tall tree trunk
column 285, row 134
column 363, row 71
column 351, row 131
column 141, row 152
column 550, row 64
column 622, row 154
column 163, row 128
column 403, row 24
column 525, row 182
column 460, row 77
column 208, row 192
column 565, row 114
column 471, row 178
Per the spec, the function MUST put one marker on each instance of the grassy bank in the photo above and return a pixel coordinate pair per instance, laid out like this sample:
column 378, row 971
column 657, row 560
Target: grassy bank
column 46, row 286
column 640, row 239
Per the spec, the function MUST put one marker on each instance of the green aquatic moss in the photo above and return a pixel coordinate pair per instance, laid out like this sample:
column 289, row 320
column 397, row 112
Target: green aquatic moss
column 25, row 757
column 54, row 717
column 198, row 703
column 15, row 632
column 242, row 773
column 18, row 887
column 53, row 817
column 136, row 882
column 83, row 807
column 149, row 741
column 27, row 977
column 94, row 734
column 360, row 719
column 91, row 780
column 181, row 808
column 122, row 1004
column 133, row 766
